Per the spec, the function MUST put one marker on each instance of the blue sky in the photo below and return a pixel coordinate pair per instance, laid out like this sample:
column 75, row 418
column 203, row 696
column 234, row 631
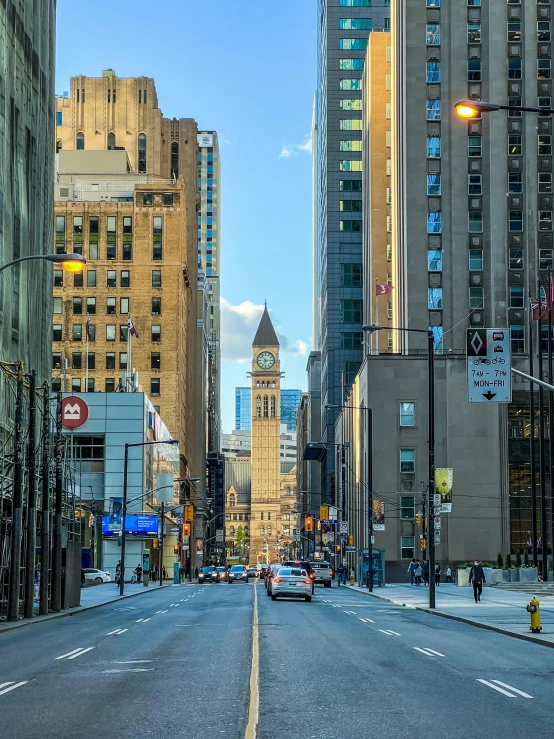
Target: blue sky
column 248, row 70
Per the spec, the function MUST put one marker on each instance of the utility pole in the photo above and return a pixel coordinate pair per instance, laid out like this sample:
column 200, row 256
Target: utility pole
column 124, row 521
column 343, row 499
column 542, row 456
column 17, row 504
column 431, row 367
column 57, row 550
column 45, row 537
column 31, row 542
column 162, row 545
column 369, row 462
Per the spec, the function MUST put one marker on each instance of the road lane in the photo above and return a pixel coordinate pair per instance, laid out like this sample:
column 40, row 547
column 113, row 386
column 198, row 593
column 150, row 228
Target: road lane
column 182, row 673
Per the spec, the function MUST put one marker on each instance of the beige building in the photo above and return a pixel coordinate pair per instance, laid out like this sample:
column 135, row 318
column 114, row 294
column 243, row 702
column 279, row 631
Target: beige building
column 378, row 255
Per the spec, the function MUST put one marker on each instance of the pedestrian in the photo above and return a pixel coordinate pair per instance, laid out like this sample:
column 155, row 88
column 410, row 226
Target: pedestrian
column 449, row 575
column 437, row 574
column 118, row 573
column 164, row 572
column 418, row 573
column 341, row 575
column 154, row 573
column 426, row 573
column 37, row 585
column 196, row 573
column 411, row 569
column 477, row 578
column 138, row 572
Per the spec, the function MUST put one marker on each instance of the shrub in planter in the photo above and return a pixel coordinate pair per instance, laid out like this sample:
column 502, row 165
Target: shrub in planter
column 508, row 561
column 500, row 561
column 518, row 559
column 526, row 558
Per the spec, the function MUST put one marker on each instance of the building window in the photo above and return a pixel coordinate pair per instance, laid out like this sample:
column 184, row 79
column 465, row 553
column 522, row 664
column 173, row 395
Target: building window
column 433, row 147
column 476, row 298
column 110, row 360
column 350, row 124
column 80, row 143
column 407, row 507
column 77, row 306
column 155, row 360
column 147, row 198
column 349, row 65
column 110, row 306
column 474, row 184
column 156, row 333
column 434, row 261
column 258, row 406
column 350, row 84
column 350, row 206
column 353, row 44
column 156, row 278
column 433, row 71
column 91, row 278
column 545, row 145
column 109, row 385
column 545, row 260
column 123, row 332
column 407, row 414
column 174, row 161
column 474, row 70
column 57, row 332
column 350, row 104
column 124, row 278
column 350, row 145
column 545, row 220
column 351, row 275
column 262, row 530
column 407, row 547
column 122, row 360
column 514, row 30
column 156, row 306
column 434, row 110
column 476, row 259
column 272, row 406
column 407, row 461
column 350, row 372
column 111, row 138
column 266, row 407
column 514, row 69
column 350, row 226
column 433, row 34
column 515, row 183
column 58, row 278
column 75, row 384
column 351, row 311
column 545, row 183
column 516, row 220
column 157, row 235
column 56, row 360
column 154, row 386
column 355, row 3
column 142, row 152
column 434, row 223
column 474, row 146
column 517, row 337
column 433, row 184
column 543, row 31
column 543, row 69
column 111, row 278
column 516, row 297
column 355, row 24
column 351, row 340
column 76, row 360
column 124, row 305
column 475, row 221
column 434, row 298
column 350, row 165
column 77, row 332
column 474, row 33
column 91, row 360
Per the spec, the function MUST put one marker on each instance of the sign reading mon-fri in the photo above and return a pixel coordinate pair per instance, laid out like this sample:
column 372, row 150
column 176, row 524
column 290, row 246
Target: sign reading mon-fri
column 489, row 367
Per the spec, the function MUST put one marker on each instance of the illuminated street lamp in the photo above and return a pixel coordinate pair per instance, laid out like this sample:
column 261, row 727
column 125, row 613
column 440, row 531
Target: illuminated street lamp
column 70, row 262
column 474, row 108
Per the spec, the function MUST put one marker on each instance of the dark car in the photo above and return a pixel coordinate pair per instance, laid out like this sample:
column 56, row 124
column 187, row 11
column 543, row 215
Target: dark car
column 252, row 572
column 303, row 565
column 209, row 574
column 238, row 573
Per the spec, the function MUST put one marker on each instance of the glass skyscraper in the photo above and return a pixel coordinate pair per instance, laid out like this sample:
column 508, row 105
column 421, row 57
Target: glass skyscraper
column 290, row 400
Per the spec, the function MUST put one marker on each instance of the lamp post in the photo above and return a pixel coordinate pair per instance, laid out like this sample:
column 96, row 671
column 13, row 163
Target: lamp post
column 473, row 108
column 431, row 461
column 124, row 512
column 369, row 483
column 70, row 262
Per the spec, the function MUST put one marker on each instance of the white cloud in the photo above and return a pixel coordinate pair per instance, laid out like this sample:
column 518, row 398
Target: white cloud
column 291, row 150
column 238, row 328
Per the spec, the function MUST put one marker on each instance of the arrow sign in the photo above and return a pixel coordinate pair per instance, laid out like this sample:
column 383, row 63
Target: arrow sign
column 489, row 395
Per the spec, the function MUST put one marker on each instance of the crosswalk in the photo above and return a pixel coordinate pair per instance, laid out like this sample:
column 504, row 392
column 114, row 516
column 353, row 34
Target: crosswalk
column 9, row 686
column 75, row 653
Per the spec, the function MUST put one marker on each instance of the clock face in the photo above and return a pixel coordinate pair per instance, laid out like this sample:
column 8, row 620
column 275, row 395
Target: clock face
column 265, row 360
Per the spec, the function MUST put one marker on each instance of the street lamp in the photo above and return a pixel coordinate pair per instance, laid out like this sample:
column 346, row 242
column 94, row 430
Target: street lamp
column 70, row 262
column 431, row 396
column 474, row 108
column 369, row 483
column 124, row 516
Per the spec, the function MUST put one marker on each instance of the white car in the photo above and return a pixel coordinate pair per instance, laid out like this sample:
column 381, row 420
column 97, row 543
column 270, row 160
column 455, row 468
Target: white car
column 291, row 582
column 96, row 576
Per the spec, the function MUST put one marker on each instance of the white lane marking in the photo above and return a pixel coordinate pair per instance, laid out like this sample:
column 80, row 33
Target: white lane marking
column 139, row 621
column 145, row 620
column 389, row 632
column 133, row 662
column 429, row 652
column 80, row 653
column 366, row 620
column 495, row 687
column 13, row 686
column 254, row 702
column 166, row 611
column 63, row 656
column 132, row 669
column 514, row 690
column 115, row 631
column 353, row 613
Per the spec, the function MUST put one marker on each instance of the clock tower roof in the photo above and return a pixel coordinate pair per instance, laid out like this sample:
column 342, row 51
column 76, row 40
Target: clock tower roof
column 265, row 335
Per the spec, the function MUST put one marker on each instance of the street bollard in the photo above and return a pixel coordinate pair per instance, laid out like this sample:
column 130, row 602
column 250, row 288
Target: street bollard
column 535, row 611
column 352, row 581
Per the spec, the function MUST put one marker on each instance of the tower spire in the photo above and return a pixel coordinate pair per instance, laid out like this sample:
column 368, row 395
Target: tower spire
column 265, row 335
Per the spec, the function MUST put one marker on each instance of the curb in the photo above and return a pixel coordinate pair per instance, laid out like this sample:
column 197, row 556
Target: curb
column 7, row 627
column 461, row 619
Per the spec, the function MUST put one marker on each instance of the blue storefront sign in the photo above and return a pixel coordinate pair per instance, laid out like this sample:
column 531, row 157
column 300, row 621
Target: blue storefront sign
column 134, row 526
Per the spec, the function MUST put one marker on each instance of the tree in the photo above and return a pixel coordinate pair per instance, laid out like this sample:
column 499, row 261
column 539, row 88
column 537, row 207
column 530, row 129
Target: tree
column 500, row 561
column 518, row 558
column 240, row 540
column 526, row 558
column 508, row 560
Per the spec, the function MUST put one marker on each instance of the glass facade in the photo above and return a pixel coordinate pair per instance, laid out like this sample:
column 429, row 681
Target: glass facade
column 290, row 400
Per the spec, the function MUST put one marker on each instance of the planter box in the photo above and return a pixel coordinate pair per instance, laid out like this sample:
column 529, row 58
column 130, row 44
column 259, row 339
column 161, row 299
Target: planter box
column 528, row 574
column 463, row 578
column 506, row 576
column 493, row 575
column 514, row 575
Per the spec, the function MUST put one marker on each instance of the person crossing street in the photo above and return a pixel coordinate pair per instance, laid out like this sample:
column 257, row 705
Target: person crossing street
column 477, row 578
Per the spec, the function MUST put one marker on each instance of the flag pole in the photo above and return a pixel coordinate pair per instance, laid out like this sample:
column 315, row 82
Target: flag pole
column 376, row 320
column 86, row 354
column 128, row 380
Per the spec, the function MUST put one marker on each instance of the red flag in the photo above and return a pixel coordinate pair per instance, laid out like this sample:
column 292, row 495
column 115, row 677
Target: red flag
column 383, row 289
column 132, row 329
column 539, row 308
column 88, row 327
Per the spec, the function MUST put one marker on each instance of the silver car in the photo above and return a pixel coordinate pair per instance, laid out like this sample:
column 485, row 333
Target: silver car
column 291, row 582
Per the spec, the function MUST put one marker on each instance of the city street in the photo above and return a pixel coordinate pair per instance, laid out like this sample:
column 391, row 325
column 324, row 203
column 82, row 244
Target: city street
column 178, row 662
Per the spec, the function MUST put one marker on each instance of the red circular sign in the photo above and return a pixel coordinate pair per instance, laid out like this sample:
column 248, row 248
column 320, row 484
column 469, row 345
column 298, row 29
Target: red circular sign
column 74, row 412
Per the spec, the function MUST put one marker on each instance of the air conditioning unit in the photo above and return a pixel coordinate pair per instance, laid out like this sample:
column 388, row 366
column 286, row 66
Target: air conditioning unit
column 477, row 318
column 407, row 484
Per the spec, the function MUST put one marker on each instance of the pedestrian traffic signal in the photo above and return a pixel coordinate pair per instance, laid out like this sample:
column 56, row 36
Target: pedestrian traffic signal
column 350, row 540
column 189, row 513
column 337, row 548
column 309, row 524
column 424, row 544
column 176, row 549
column 418, row 518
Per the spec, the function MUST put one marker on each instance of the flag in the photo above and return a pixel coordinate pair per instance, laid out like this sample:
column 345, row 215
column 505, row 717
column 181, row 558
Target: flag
column 131, row 328
column 344, row 385
column 383, row 289
column 88, row 327
column 539, row 308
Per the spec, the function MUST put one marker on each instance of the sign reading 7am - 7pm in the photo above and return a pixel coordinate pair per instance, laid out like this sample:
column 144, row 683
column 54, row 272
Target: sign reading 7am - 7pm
column 489, row 367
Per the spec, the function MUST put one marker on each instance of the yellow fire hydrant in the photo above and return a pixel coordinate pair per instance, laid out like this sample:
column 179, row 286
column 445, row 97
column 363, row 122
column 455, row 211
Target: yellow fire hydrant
column 352, row 581
column 535, row 610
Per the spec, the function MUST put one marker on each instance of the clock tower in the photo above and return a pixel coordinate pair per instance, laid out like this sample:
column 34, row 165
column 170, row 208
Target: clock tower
column 265, row 455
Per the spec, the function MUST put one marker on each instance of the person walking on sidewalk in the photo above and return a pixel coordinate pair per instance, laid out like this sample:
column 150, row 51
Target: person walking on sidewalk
column 164, row 572
column 437, row 574
column 426, row 573
column 449, row 575
column 118, row 573
column 477, row 578
column 411, row 569
column 418, row 573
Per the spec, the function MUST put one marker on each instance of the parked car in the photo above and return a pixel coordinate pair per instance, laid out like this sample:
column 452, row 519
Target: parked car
column 323, row 573
column 96, row 576
column 252, row 572
column 223, row 574
column 292, row 582
column 238, row 573
column 304, row 566
column 208, row 574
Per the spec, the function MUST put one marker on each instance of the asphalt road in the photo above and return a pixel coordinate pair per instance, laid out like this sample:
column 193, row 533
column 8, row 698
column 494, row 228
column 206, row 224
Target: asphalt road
column 177, row 662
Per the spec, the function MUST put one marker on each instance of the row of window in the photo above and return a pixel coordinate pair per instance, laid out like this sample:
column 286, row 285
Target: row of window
column 111, row 306
column 90, row 359
column 266, row 407
column 78, row 335
column 475, row 184
column 94, row 224
column 78, row 280
column 110, row 385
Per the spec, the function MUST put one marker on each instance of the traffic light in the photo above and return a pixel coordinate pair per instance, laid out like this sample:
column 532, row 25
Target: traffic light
column 186, row 530
column 323, row 512
column 189, row 513
column 309, row 524
column 424, row 544
column 418, row 518
column 350, row 540
column 337, row 548
column 176, row 549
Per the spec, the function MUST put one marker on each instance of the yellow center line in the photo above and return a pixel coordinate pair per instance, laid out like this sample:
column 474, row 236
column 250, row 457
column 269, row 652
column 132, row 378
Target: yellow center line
column 253, row 708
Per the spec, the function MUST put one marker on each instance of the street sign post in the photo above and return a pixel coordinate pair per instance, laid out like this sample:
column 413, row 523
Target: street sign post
column 489, row 366
column 343, row 528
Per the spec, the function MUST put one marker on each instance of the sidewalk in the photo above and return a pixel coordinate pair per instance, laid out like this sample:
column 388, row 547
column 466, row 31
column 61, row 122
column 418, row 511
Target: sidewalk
column 94, row 597
column 499, row 610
